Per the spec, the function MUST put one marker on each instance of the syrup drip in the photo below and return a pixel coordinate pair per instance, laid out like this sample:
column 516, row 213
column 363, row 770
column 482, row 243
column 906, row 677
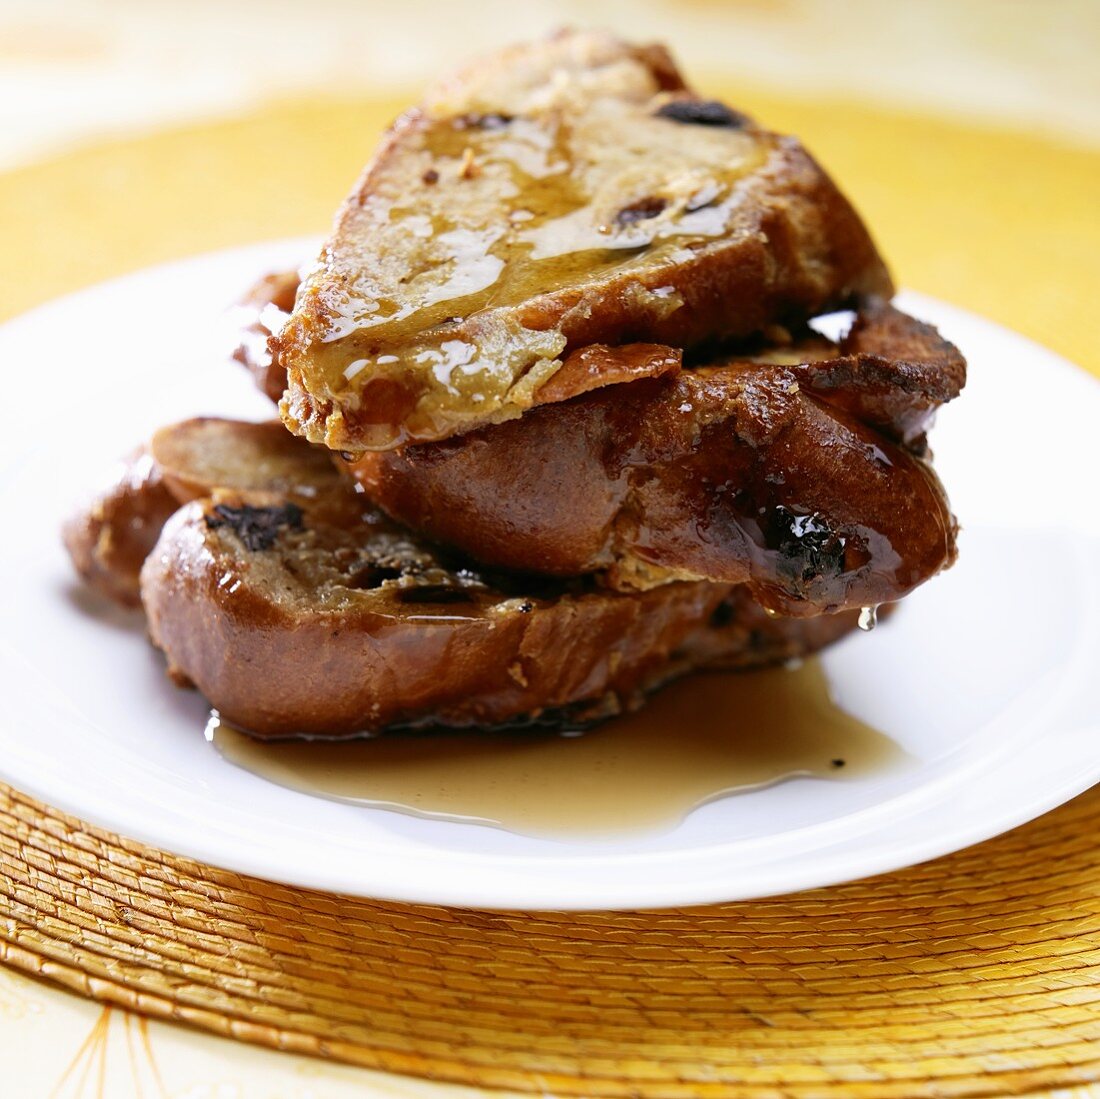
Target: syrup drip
column 868, row 618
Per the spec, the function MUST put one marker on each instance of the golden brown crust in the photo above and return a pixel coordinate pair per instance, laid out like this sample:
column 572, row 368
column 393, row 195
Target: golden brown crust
column 110, row 536
column 341, row 630
column 538, row 229
column 790, row 477
column 598, row 365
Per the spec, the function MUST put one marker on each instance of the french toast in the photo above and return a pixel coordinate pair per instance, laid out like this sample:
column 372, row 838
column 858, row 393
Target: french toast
column 110, row 535
column 560, row 426
column 799, row 471
column 298, row 609
column 561, row 194
column 301, row 610
column 292, row 626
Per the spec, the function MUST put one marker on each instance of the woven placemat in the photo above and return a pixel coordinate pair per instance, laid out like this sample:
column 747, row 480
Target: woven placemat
column 977, row 974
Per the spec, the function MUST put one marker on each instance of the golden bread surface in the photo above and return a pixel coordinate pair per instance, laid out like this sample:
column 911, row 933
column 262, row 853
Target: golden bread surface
column 569, row 192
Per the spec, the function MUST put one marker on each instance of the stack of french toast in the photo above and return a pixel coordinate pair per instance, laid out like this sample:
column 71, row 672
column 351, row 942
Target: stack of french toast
column 559, row 423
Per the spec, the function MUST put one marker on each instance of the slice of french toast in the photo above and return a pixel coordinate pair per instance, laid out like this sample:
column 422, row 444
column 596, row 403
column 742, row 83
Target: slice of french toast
column 292, row 624
column 111, row 534
column 569, row 192
column 297, row 609
column 800, row 471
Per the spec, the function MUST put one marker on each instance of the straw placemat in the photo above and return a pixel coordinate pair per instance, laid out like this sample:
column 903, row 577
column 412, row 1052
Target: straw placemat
column 977, row 974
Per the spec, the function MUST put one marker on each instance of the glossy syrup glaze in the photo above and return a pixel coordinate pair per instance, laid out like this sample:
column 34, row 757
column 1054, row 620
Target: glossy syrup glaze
column 499, row 211
column 700, row 739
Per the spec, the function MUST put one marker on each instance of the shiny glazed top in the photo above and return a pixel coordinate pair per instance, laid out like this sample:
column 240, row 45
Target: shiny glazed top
column 566, row 193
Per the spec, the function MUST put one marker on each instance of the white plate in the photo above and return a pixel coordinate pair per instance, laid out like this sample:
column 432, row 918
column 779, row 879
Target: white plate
column 986, row 677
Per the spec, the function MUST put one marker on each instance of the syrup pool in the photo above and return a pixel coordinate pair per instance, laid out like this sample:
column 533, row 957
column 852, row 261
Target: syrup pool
column 702, row 738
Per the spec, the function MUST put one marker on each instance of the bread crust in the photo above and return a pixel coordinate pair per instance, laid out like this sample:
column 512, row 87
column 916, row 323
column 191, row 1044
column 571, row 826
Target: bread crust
column 426, row 319
column 803, row 479
column 298, row 609
column 281, row 654
column 109, row 536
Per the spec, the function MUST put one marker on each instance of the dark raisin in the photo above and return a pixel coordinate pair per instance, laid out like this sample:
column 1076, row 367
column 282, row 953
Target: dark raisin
column 430, row 176
column 808, row 548
column 722, row 615
column 641, row 210
column 702, row 112
column 256, row 527
column 526, row 607
column 837, row 762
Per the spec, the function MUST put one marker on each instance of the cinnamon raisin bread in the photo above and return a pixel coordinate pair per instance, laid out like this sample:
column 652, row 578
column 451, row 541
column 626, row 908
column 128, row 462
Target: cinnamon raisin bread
column 564, row 193
column 292, row 624
column 799, row 470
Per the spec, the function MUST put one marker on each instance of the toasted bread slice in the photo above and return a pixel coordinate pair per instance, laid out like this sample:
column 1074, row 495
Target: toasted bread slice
column 111, row 534
column 566, row 193
column 298, row 609
column 295, row 625
column 797, row 471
